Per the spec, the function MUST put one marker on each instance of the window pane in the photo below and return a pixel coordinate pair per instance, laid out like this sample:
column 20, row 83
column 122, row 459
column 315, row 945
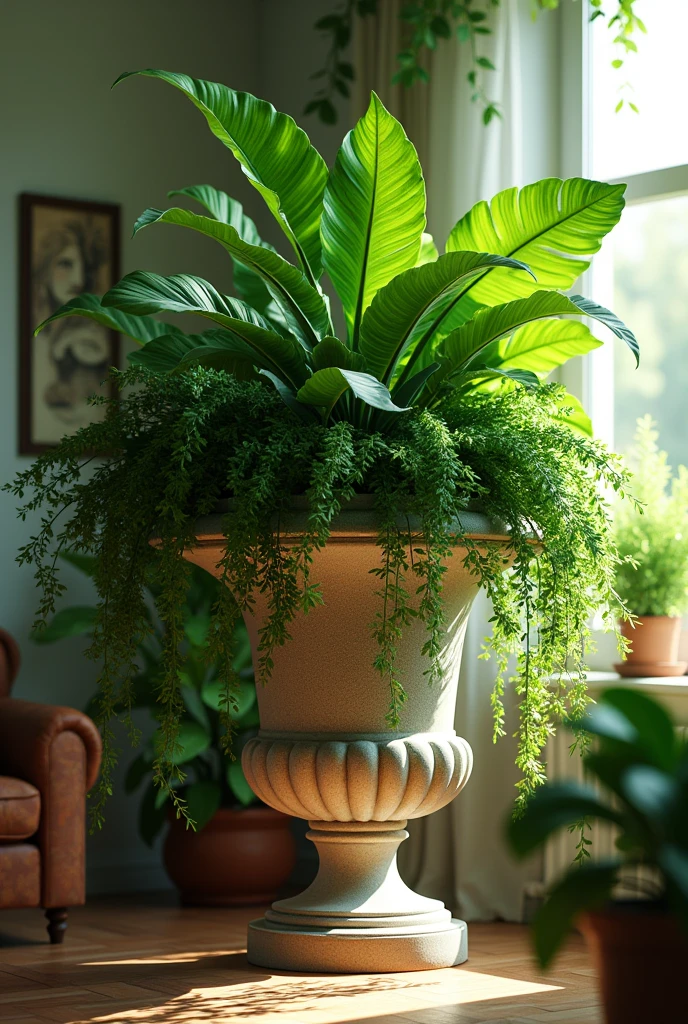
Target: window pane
column 650, row 258
column 654, row 79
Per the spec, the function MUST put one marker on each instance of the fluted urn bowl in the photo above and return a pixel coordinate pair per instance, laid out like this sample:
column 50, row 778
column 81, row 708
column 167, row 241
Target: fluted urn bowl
column 326, row 753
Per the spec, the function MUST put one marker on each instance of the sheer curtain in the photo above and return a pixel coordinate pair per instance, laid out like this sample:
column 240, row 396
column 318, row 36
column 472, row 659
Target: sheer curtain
column 458, row 854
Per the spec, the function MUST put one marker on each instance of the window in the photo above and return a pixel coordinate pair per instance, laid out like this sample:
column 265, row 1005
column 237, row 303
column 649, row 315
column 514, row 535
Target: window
column 642, row 272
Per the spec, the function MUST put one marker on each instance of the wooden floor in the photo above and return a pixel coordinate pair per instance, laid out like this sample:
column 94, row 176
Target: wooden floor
column 150, row 962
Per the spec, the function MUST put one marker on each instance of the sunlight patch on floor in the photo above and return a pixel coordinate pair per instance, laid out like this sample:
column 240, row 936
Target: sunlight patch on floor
column 322, row 999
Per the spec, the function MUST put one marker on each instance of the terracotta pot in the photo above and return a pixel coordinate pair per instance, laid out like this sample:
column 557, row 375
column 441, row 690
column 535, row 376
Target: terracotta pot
column 654, row 642
column 241, row 857
column 640, row 955
column 326, row 753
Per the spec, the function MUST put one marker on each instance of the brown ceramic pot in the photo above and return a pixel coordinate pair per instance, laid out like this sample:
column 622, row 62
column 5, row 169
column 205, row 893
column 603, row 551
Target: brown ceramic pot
column 640, row 955
column 654, row 647
column 241, row 857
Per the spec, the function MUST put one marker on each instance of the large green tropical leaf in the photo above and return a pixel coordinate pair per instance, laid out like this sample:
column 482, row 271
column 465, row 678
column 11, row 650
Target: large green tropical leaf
column 428, row 250
column 163, row 354
column 75, row 621
column 249, row 286
column 240, row 365
column 573, row 415
column 541, row 346
column 585, row 888
column 406, row 311
column 139, row 328
column 274, row 153
column 143, row 292
column 374, row 211
column 303, row 305
column 471, row 340
column 333, row 352
column 327, row 386
column 552, row 225
column 202, row 801
column 553, row 807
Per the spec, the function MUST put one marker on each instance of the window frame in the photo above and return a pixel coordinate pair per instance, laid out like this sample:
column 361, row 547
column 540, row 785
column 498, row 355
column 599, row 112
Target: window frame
column 591, row 378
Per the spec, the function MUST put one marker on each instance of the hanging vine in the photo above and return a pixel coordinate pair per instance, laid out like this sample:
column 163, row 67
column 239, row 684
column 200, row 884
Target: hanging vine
column 427, row 23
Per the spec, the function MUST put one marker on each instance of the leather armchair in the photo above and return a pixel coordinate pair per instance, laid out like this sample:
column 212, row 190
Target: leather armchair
column 49, row 759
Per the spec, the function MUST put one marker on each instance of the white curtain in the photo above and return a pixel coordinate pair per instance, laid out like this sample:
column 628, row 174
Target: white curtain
column 458, row 854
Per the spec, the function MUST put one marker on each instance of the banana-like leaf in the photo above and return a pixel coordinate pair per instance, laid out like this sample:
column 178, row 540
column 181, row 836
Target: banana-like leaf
column 374, row 211
column 163, row 354
column 326, row 387
column 248, row 284
column 484, row 372
column 573, row 415
column 304, row 412
column 302, row 304
column 405, row 313
column 240, row 365
column 583, row 888
column 407, row 392
column 552, row 225
column 333, row 352
column 610, row 320
column 140, row 328
column 428, row 250
column 274, row 153
column 541, row 346
column 464, row 344
column 143, row 292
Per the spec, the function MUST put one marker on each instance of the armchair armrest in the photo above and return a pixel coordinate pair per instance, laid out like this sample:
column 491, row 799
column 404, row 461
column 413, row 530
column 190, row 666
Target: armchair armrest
column 58, row 750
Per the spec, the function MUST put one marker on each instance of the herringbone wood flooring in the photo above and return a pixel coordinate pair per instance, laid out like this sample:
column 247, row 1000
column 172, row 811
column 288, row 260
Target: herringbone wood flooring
column 146, row 961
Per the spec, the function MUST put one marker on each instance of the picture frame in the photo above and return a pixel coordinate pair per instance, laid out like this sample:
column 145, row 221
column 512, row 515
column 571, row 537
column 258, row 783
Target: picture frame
column 66, row 247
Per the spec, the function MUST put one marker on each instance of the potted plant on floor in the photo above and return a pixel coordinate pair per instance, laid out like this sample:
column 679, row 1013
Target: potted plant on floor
column 239, row 851
column 329, row 476
column 652, row 579
column 639, row 945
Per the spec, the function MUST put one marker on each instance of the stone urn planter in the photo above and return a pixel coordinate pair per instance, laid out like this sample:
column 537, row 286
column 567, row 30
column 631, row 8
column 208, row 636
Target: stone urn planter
column 326, row 754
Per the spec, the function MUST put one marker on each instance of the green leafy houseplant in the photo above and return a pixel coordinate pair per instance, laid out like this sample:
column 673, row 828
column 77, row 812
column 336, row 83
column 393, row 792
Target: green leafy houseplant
column 641, row 764
column 215, row 781
column 652, row 538
column 433, row 396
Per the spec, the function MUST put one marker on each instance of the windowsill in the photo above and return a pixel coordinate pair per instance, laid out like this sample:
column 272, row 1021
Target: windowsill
column 671, row 692
column 648, row 684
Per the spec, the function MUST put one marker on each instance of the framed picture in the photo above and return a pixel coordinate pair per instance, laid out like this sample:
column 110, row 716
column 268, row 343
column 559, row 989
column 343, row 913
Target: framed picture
column 66, row 247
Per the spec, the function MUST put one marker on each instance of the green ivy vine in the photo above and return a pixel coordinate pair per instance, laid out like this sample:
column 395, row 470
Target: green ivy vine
column 429, row 22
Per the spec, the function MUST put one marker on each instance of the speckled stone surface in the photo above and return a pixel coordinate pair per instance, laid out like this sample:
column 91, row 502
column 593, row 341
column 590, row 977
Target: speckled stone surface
column 326, row 753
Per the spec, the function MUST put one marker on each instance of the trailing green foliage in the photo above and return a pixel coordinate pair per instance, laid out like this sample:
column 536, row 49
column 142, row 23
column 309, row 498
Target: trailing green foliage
column 641, row 765
column 435, row 397
column 211, row 780
column 652, row 537
column 427, row 23
column 178, row 443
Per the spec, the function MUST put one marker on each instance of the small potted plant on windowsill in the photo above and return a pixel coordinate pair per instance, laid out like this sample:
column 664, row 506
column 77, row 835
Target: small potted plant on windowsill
column 329, row 483
column 652, row 578
column 640, row 946
column 239, row 851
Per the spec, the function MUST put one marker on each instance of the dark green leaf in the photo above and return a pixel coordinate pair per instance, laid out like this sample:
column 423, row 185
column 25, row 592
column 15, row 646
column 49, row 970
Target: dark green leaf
column 303, row 306
column 289, row 173
column 551, row 808
column 192, row 740
column 238, row 784
column 76, row 621
column 202, row 801
column 585, row 888
column 136, row 773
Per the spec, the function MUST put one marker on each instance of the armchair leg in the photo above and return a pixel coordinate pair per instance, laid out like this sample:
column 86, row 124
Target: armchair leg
column 57, row 924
